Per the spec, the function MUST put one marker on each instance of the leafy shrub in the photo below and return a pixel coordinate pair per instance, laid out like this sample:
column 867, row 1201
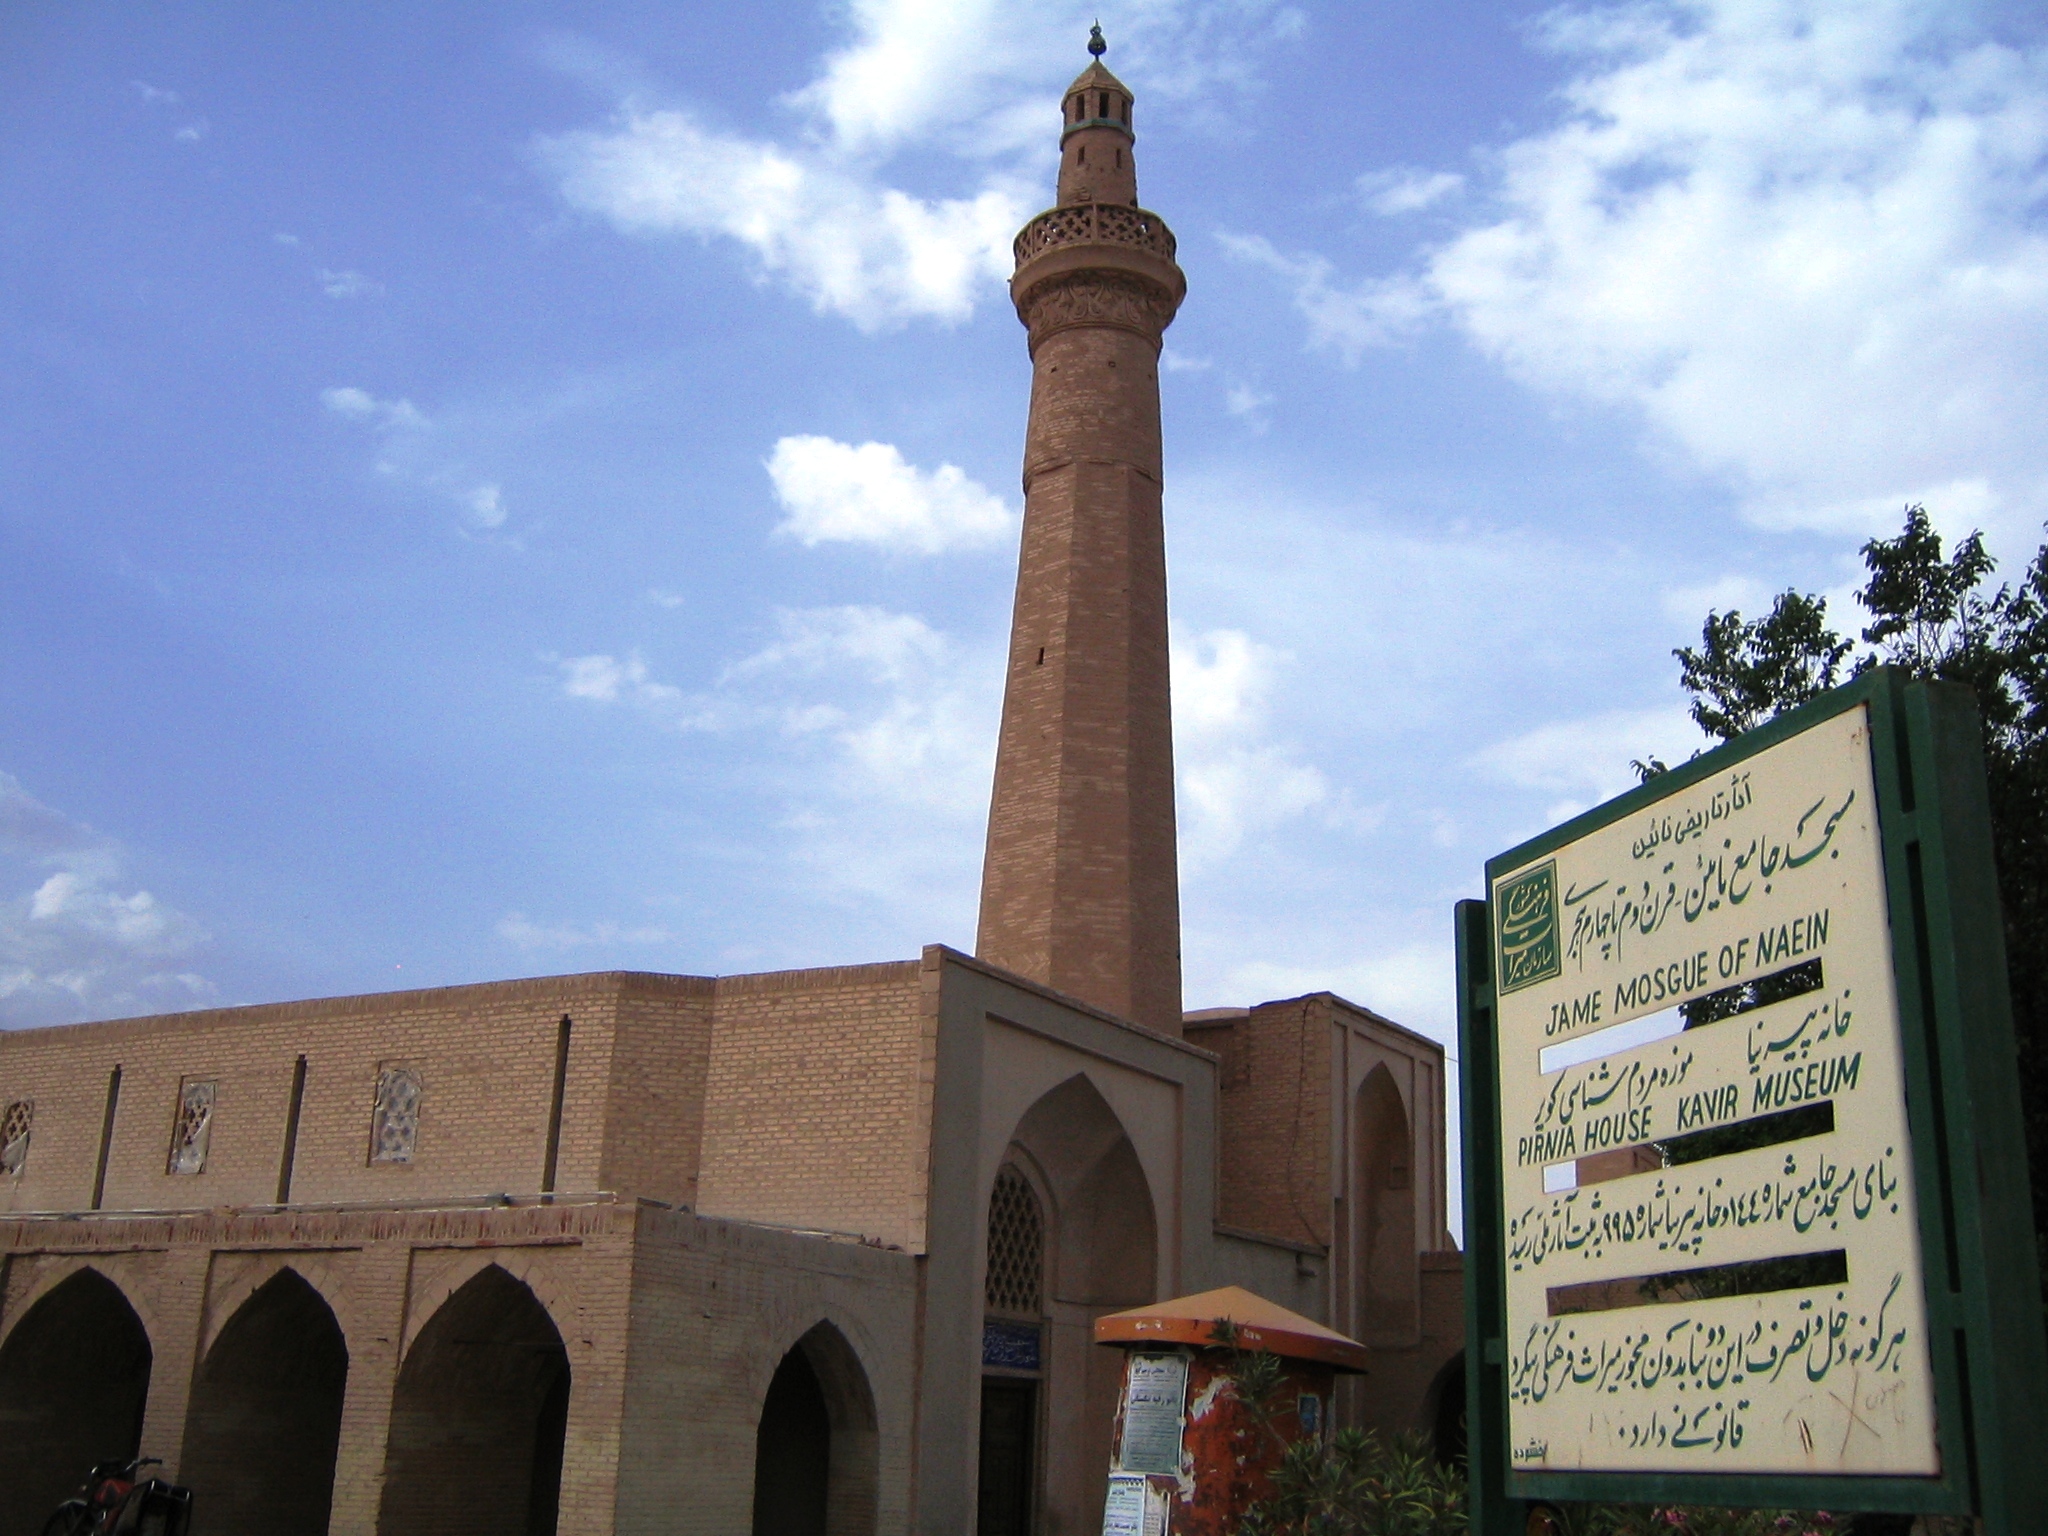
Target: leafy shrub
column 1357, row 1484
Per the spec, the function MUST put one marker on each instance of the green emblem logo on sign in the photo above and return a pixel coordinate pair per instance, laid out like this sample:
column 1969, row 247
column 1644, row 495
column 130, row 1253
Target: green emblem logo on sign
column 1525, row 917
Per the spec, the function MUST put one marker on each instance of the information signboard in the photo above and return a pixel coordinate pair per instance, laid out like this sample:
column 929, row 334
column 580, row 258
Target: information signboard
column 1716, row 1247
column 1713, row 1259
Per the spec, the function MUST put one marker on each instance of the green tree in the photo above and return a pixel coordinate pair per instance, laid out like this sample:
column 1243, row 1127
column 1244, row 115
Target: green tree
column 1936, row 615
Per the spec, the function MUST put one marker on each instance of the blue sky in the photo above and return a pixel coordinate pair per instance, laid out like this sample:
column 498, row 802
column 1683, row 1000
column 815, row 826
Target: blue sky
column 499, row 489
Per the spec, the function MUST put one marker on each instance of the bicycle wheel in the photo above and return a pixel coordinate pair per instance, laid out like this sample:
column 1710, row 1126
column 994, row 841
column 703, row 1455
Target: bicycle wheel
column 72, row 1519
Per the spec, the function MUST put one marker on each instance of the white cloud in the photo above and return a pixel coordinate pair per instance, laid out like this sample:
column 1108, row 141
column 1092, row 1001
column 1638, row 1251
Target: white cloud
column 820, row 215
column 911, row 61
column 875, row 255
column 608, row 680
column 885, row 691
column 1803, row 241
column 1587, row 761
column 486, row 507
column 1741, row 594
column 81, row 942
column 836, row 492
column 516, row 928
column 1235, row 782
column 1248, row 403
column 876, row 733
column 982, row 72
column 1345, row 320
column 1221, row 681
column 1405, row 190
column 361, row 405
column 154, row 96
column 348, row 285
column 1414, row 984
column 411, row 453
column 193, row 132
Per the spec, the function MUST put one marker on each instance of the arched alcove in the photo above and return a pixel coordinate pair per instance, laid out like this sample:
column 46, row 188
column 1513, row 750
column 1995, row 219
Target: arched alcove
column 478, row 1417
column 74, row 1377
column 266, row 1416
column 1104, row 1248
column 1102, row 1255
column 1386, row 1260
column 815, row 1450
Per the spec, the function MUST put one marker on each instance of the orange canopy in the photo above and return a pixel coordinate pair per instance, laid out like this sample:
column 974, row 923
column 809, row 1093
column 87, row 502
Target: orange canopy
column 1260, row 1324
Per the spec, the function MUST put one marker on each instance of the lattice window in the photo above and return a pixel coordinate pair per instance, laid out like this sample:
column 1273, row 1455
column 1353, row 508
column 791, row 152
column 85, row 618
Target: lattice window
column 1016, row 1247
column 395, row 1120
column 194, row 1128
column 15, row 1126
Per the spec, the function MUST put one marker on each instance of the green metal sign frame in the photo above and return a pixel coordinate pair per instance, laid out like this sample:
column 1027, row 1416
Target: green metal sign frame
column 1982, row 1286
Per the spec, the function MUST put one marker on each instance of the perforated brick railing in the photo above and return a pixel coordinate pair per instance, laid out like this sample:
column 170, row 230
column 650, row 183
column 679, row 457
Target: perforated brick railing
column 1095, row 224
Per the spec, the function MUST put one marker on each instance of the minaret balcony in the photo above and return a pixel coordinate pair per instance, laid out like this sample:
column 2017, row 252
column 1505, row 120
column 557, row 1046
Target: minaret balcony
column 1095, row 224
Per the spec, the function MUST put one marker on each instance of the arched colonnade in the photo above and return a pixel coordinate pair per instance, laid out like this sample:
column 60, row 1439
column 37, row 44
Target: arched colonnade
column 477, row 1427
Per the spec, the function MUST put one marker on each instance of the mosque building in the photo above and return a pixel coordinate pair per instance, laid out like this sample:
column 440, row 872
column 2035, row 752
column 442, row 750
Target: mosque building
column 801, row 1252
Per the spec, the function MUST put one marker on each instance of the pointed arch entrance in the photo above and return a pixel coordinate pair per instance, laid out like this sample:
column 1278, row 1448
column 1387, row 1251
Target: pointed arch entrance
column 478, row 1418
column 815, row 1451
column 74, row 1378
column 1100, row 1240
column 266, row 1414
column 1384, row 1185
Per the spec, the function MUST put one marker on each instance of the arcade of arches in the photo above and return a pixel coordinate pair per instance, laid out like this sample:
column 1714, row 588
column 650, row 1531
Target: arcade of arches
column 476, row 1431
column 476, row 1428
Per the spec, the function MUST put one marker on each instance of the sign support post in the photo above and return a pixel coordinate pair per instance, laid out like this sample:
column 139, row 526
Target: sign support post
column 1745, row 1181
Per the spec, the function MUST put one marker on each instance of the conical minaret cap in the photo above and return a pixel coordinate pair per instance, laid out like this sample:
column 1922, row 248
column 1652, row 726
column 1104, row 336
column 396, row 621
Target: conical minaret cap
column 1097, row 77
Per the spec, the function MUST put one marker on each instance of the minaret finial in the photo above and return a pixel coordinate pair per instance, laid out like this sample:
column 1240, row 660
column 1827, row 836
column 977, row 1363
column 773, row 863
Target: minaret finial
column 1096, row 45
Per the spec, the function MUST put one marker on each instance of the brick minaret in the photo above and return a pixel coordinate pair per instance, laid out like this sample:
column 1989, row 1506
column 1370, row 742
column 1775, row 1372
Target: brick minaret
column 1080, row 889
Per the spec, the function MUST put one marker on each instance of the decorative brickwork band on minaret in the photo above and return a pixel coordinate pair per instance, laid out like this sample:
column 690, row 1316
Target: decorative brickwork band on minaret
column 1081, row 889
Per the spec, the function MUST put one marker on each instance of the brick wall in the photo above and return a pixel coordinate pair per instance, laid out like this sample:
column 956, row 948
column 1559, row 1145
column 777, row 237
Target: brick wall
column 632, row 1104
column 1401, row 1388
column 715, row 1307
column 816, row 1096
column 661, row 1057
column 1273, row 1157
column 805, row 1093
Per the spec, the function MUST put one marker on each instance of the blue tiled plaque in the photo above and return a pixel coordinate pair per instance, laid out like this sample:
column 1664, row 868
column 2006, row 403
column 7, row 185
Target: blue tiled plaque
column 1011, row 1346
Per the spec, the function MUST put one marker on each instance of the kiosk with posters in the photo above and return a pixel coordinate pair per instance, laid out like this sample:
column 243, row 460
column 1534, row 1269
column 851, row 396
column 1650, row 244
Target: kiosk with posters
column 1187, row 1456
column 1746, row 1194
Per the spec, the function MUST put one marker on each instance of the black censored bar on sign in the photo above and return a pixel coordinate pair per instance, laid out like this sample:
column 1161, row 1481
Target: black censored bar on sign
column 1693, row 1147
column 1748, row 1135
column 1793, row 981
column 1713, row 1282
column 1646, row 1029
